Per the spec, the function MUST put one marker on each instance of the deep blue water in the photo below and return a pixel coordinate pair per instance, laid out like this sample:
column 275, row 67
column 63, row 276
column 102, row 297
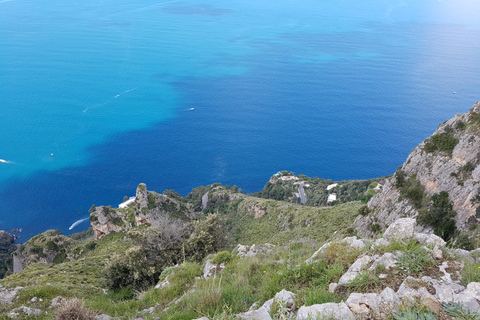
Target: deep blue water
column 95, row 96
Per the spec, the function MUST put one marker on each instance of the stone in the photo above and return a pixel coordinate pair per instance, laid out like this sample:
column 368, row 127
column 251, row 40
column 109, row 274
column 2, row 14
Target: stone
column 332, row 286
column 57, row 301
column 354, row 270
column 469, row 297
column 401, row 229
column 102, row 317
column 365, row 303
column 437, row 254
column 25, row 310
column 7, row 295
column 405, row 292
column 148, row 311
column 389, row 300
column 388, row 260
column 463, row 254
column 326, row 311
column 381, row 242
column 382, row 276
column 260, row 314
column 211, row 269
column 162, row 284
column 286, row 296
column 429, row 239
column 354, row 242
column 429, row 300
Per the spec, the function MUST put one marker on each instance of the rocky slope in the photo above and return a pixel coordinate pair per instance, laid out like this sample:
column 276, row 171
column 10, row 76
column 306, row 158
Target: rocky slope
column 448, row 161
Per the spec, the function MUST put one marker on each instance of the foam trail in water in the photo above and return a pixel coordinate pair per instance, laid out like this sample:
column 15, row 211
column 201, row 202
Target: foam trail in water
column 118, row 95
column 76, row 223
column 4, row 161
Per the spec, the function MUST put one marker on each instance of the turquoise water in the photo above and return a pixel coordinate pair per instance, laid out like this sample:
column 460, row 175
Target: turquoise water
column 97, row 96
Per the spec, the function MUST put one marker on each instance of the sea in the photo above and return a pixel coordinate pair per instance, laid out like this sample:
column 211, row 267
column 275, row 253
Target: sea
column 97, row 96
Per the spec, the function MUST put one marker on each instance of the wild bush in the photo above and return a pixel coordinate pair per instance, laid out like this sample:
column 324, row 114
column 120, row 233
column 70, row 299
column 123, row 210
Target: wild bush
column 73, row 309
column 439, row 215
column 208, row 236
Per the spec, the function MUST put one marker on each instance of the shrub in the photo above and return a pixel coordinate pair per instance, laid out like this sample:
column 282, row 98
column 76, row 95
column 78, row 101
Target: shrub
column 223, row 257
column 208, row 236
column 470, row 273
column 440, row 216
column 73, row 309
column 363, row 211
column 375, row 228
column 442, row 142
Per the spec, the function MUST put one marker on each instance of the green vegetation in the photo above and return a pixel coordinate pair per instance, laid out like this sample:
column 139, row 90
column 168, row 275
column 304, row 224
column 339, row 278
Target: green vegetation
column 439, row 215
column 444, row 142
column 316, row 192
column 7, row 247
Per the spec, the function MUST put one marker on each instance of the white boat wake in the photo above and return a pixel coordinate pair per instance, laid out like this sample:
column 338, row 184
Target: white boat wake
column 76, row 223
column 4, row 161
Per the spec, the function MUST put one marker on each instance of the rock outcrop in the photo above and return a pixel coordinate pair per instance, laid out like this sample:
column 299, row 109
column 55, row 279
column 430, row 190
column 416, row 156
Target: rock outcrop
column 149, row 207
column 447, row 161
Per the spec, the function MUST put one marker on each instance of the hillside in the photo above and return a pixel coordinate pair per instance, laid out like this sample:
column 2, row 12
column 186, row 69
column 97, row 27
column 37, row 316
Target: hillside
column 220, row 254
column 438, row 184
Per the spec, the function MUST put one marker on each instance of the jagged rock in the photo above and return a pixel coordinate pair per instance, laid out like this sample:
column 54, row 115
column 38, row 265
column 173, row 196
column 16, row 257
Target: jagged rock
column 212, row 269
column 286, row 296
column 436, row 171
column 429, row 300
column 389, row 300
column 470, row 297
column 447, row 279
column 260, row 314
column 102, row 317
column 401, row 229
column 326, row 311
column 381, row 242
column 25, row 310
column 162, row 284
column 354, row 270
column 405, row 292
column 429, row 239
column 463, row 254
column 353, row 243
column 7, row 295
column 388, row 260
column 332, row 286
column 57, row 301
column 363, row 303
column 148, row 311
column 437, row 254
column 252, row 251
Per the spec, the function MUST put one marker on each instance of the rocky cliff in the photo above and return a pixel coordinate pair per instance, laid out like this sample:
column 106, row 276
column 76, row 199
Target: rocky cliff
column 148, row 207
column 445, row 164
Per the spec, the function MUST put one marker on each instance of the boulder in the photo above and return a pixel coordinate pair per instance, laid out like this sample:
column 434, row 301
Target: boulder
column 364, row 303
column 212, row 269
column 354, row 270
column 388, row 260
column 7, row 295
column 389, row 300
column 401, row 229
column 260, row 314
column 429, row 239
column 25, row 310
column 326, row 311
column 57, row 301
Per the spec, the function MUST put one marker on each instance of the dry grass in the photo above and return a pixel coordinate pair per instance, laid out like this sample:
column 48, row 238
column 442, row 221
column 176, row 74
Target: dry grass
column 73, row 309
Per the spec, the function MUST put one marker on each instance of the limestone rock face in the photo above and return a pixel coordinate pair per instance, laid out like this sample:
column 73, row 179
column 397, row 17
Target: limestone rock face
column 148, row 207
column 436, row 171
column 400, row 229
column 326, row 311
column 105, row 220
